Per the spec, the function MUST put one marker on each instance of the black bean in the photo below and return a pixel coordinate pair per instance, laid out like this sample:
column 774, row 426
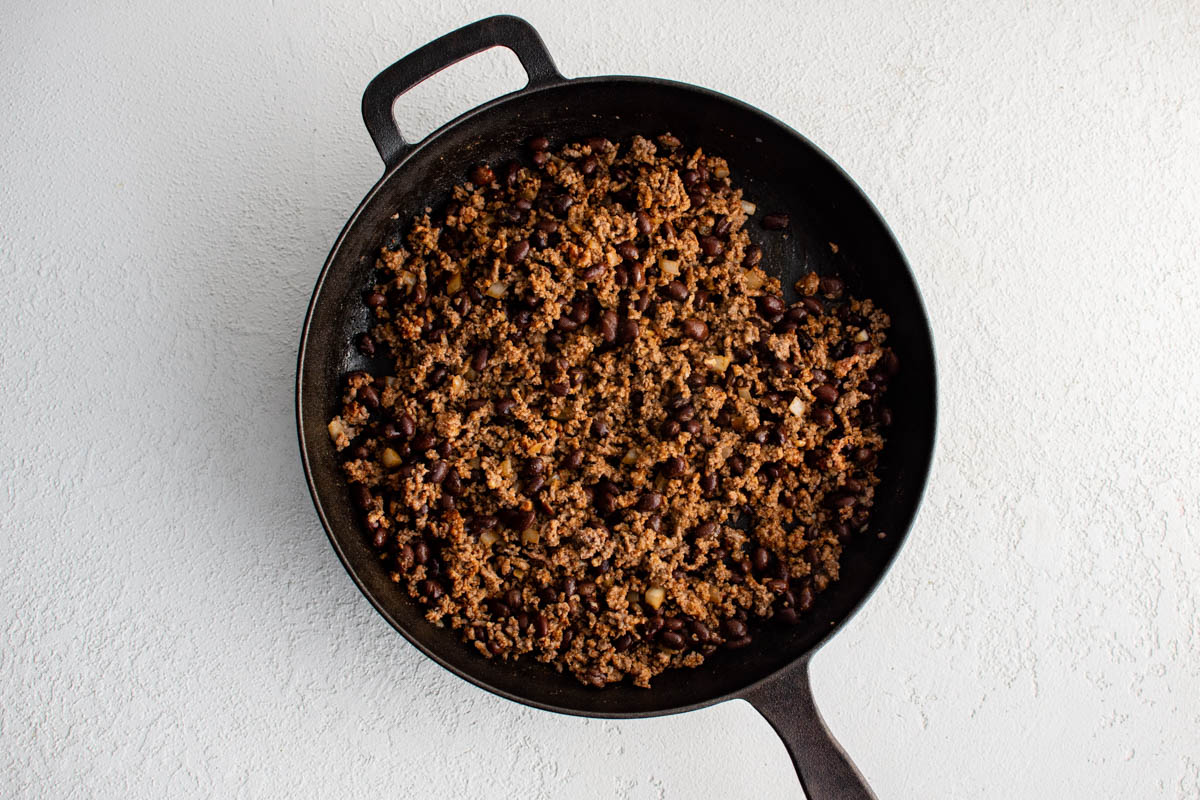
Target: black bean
column 842, row 499
column 822, row 416
column 637, row 279
column 761, row 559
column 651, row 501
column 573, row 460
column 560, row 388
column 517, row 251
column 423, row 441
column 361, row 496
column 628, row 251
column 519, row 519
column 812, row 305
column 541, row 626
column 562, row 204
column 437, row 472
column 685, row 413
column 770, row 307
column 733, row 628
column 628, row 330
column 826, row 393
column 862, row 348
column 736, row 464
column 676, row 291
column 787, row 616
column 500, row 609
column 605, row 503
column 365, row 344
column 539, row 143
column 672, row 639
column 890, row 364
column 694, row 329
column 453, row 484
column 374, row 299
column 708, row 483
column 406, row 426
column 535, row 484
column 480, row 359
column 599, row 428
column 674, row 467
column 804, row 599
column 711, row 246
column 482, row 175
column 885, row 417
column 643, row 223
column 776, row 222
column 431, row 589
column 706, row 530
column 593, row 272
column 368, row 397
column 483, row 522
column 622, row 643
column 505, row 405
column 589, row 165
column 670, row 429
column 831, row 286
column 762, row 434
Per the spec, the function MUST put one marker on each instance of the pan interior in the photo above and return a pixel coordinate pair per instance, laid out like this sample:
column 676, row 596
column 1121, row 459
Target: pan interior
column 780, row 172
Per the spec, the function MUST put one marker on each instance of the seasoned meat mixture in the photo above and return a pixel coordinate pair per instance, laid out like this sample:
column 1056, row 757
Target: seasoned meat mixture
column 604, row 439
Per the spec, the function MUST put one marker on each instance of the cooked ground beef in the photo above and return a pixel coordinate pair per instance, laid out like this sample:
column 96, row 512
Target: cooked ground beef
column 605, row 438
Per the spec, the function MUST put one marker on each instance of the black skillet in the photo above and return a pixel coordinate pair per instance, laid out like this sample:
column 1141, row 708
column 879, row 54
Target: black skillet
column 779, row 170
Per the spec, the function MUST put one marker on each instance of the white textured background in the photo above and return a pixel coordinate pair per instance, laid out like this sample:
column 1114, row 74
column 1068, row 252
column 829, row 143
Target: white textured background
column 174, row 623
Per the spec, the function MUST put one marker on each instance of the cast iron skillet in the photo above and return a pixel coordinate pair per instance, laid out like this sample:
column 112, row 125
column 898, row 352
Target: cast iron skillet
column 781, row 171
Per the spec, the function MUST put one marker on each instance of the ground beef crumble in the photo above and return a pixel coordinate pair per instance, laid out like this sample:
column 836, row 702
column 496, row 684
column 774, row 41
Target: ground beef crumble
column 605, row 440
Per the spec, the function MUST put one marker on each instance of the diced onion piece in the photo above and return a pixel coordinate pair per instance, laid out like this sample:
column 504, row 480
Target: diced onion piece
column 668, row 266
column 390, row 458
column 336, row 429
column 754, row 279
column 655, row 596
column 454, row 284
column 717, row 363
column 497, row 290
column 744, row 393
column 406, row 279
column 631, row 455
column 531, row 536
column 488, row 538
column 749, row 207
column 796, row 406
column 862, row 336
column 721, row 172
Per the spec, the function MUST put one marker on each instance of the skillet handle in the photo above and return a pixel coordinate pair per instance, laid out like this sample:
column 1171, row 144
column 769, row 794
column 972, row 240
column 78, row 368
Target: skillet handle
column 506, row 31
column 825, row 771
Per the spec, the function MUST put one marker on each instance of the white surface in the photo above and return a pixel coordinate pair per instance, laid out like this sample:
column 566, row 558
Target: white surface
column 175, row 624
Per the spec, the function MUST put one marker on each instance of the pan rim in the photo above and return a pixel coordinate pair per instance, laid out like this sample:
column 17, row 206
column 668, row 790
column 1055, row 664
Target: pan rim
column 926, row 456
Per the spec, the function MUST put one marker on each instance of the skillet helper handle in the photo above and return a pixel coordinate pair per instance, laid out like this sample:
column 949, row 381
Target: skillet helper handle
column 504, row 31
column 825, row 771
